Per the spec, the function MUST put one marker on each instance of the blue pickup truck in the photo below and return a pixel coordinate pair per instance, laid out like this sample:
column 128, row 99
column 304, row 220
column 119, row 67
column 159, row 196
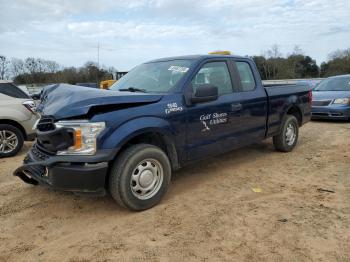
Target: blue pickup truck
column 161, row 116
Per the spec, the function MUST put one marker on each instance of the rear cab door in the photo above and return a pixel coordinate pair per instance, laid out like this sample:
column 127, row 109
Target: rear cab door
column 253, row 101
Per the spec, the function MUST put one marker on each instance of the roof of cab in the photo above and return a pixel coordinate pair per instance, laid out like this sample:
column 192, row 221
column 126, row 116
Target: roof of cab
column 340, row 76
column 193, row 57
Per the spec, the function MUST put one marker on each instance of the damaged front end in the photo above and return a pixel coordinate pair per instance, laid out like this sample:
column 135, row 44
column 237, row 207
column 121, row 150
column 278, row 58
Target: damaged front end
column 67, row 154
column 65, row 157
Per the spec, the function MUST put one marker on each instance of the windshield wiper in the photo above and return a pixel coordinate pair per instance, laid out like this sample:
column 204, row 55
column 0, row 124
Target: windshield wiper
column 133, row 89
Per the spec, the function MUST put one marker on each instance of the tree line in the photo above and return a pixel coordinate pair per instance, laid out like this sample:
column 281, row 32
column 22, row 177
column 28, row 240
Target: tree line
column 40, row 71
column 271, row 65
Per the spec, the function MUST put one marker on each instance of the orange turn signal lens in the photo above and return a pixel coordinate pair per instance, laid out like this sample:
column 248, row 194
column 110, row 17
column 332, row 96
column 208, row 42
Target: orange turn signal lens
column 77, row 139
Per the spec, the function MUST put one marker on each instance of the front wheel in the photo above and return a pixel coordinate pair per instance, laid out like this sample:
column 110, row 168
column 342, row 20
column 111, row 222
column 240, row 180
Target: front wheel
column 140, row 177
column 287, row 139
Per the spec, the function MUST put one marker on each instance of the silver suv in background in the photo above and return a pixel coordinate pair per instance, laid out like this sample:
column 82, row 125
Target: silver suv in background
column 17, row 118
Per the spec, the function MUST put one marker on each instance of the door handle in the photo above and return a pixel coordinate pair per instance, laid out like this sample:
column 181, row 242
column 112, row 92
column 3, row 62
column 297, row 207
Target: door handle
column 236, row 107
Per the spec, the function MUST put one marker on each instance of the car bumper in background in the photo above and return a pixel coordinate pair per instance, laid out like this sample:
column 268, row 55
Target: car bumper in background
column 28, row 126
column 331, row 112
column 31, row 137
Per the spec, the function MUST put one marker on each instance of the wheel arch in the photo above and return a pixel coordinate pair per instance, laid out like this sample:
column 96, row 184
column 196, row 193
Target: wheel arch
column 156, row 138
column 15, row 124
column 295, row 111
column 151, row 130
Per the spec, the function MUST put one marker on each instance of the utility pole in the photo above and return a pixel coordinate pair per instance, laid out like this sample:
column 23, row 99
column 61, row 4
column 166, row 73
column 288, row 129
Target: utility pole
column 98, row 55
column 98, row 64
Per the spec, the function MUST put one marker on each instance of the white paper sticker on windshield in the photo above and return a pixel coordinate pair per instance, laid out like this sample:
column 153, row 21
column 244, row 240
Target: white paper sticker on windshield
column 178, row 69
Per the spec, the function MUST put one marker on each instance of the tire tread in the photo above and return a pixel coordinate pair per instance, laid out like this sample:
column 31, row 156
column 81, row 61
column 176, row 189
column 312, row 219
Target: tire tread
column 279, row 140
column 116, row 187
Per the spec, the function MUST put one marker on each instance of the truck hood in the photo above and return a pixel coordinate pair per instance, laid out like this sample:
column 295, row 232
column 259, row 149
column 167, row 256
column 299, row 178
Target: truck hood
column 65, row 101
column 329, row 95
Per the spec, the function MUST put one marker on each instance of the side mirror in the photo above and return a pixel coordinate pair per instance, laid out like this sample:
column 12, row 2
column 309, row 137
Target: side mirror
column 205, row 93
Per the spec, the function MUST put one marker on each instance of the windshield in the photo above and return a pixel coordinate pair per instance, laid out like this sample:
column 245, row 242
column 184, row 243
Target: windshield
column 334, row 84
column 157, row 77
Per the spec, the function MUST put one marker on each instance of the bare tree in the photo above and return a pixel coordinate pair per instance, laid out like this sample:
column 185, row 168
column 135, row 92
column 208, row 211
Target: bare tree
column 17, row 67
column 297, row 51
column 4, row 63
column 52, row 66
column 274, row 52
column 31, row 65
column 339, row 54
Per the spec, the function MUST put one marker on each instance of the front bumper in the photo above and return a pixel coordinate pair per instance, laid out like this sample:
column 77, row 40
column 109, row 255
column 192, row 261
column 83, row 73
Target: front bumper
column 331, row 112
column 85, row 174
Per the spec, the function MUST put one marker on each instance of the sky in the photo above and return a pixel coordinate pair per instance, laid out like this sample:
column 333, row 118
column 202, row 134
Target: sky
column 134, row 31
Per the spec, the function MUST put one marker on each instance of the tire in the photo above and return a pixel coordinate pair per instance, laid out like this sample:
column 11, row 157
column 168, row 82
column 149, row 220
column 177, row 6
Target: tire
column 11, row 140
column 287, row 139
column 140, row 177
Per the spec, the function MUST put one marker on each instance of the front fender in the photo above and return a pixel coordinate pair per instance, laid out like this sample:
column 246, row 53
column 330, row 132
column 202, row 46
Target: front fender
column 122, row 134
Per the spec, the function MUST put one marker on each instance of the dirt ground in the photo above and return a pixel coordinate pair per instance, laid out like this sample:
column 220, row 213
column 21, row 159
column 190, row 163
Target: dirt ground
column 209, row 214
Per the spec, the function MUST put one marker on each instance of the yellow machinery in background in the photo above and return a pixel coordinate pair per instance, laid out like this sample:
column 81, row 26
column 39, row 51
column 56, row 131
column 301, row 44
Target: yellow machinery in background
column 220, row 53
column 105, row 84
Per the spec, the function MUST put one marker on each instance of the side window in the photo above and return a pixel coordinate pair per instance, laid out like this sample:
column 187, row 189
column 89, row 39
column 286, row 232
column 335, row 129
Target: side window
column 246, row 76
column 214, row 73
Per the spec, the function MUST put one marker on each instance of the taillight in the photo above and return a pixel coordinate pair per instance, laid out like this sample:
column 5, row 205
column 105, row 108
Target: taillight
column 310, row 97
column 30, row 105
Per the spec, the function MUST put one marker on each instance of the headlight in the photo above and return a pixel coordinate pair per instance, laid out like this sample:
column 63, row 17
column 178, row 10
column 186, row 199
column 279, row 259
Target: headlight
column 85, row 135
column 342, row 101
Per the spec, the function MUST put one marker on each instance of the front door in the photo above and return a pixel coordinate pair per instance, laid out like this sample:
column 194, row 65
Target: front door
column 210, row 124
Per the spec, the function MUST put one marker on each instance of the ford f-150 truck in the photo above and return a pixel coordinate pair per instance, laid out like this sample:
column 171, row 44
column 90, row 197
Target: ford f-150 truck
column 159, row 117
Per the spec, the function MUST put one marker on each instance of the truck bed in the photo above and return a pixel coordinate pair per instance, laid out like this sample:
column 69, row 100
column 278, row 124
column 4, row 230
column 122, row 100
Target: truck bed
column 273, row 90
column 280, row 98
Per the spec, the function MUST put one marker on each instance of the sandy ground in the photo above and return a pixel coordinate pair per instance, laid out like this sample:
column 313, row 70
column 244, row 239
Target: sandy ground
column 209, row 214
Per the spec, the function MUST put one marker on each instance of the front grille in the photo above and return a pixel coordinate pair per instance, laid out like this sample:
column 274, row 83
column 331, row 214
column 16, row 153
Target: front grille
column 39, row 154
column 321, row 102
column 327, row 114
column 320, row 114
column 46, row 123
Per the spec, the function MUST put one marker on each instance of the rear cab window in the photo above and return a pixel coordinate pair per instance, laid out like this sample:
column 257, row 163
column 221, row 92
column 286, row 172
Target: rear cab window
column 246, row 77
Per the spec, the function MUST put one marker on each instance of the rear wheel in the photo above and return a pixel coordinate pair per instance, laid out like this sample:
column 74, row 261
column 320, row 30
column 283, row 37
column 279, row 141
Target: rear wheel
column 287, row 139
column 140, row 177
column 11, row 140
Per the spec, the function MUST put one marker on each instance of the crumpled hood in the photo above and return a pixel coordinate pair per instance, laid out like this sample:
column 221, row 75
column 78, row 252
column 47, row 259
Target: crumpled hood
column 325, row 95
column 65, row 101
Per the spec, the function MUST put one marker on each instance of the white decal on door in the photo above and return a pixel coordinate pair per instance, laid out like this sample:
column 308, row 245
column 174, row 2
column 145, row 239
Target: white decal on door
column 209, row 120
column 173, row 107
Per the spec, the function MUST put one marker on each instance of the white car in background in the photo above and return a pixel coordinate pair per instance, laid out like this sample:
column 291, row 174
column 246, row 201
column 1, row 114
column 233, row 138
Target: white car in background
column 17, row 118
